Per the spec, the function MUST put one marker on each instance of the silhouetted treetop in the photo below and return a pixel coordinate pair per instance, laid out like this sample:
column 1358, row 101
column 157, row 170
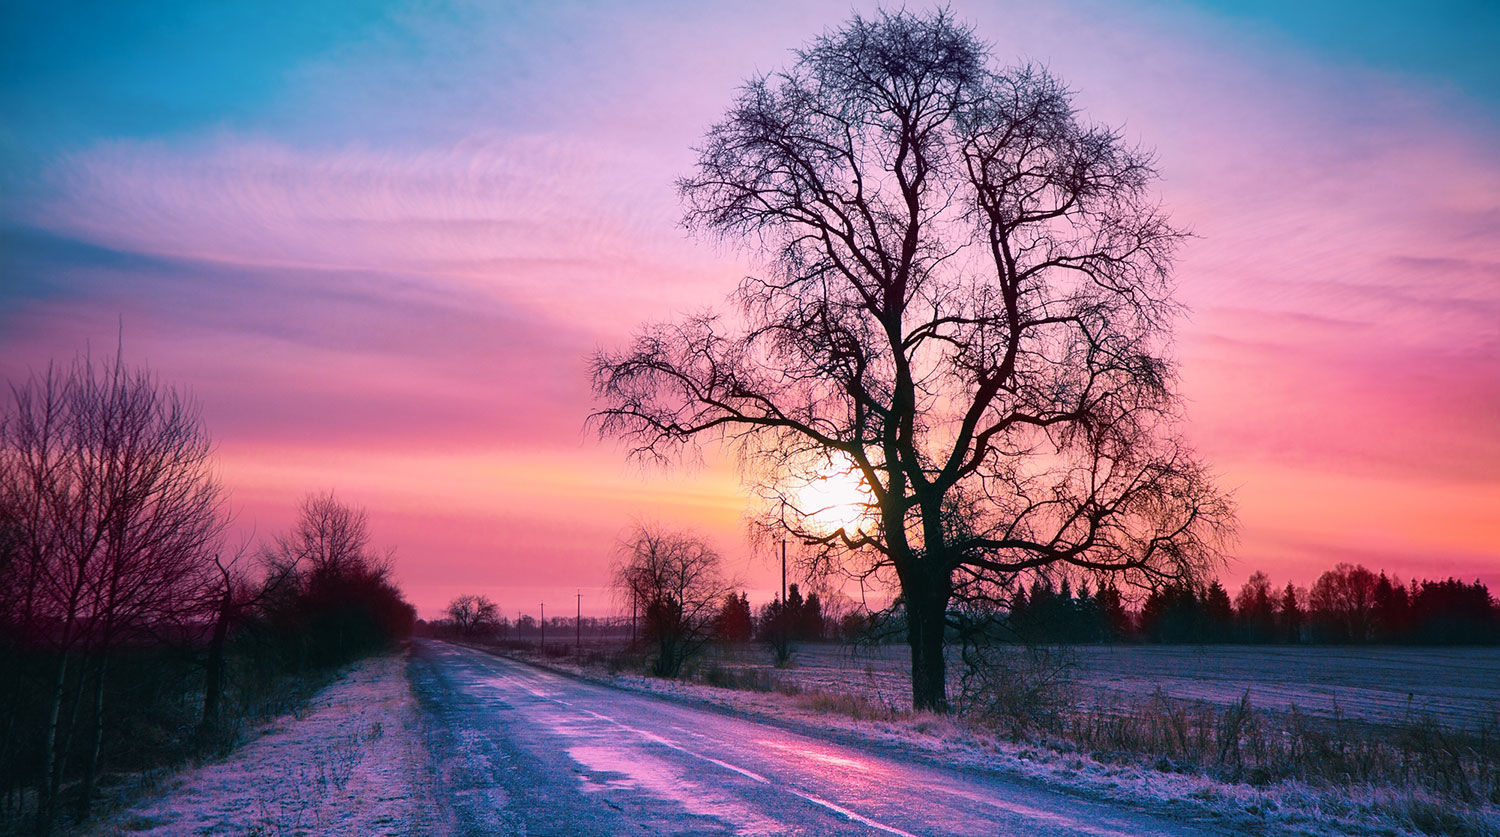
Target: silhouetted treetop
column 964, row 300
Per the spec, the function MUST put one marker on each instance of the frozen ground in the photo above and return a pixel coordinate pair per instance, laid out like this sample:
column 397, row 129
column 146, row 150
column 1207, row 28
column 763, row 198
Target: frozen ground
column 1219, row 675
column 353, row 762
column 526, row 751
column 1457, row 686
column 458, row 741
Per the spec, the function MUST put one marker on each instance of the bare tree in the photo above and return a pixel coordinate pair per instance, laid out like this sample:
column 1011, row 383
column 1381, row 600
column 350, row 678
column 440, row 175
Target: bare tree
column 1342, row 603
column 677, row 579
column 229, row 600
column 966, row 302
column 473, row 615
column 329, row 537
column 331, row 590
column 1256, row 607
column 108, row 476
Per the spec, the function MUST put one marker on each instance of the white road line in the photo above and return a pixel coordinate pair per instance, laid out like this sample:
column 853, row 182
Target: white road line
column 853, row 817
column 749, row 774
column 656, row 739
column 740, row 770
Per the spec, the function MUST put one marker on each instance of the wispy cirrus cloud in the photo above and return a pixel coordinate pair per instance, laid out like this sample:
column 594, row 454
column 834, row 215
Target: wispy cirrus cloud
column 389, row 258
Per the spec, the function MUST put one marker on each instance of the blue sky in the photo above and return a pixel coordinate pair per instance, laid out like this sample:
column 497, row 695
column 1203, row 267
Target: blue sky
column 382, row 237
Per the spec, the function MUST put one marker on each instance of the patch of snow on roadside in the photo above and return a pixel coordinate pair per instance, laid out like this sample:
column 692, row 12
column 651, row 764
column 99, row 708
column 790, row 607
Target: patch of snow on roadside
column 354, row 763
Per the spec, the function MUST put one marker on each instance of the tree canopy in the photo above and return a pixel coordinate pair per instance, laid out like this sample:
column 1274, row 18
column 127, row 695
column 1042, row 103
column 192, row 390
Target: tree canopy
column 965, row 299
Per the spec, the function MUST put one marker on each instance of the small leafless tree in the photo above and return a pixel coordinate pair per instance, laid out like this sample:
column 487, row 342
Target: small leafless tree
column 966, row 302
column 677, row 579
column 329, row 588
column 330, row 537
column 229, row 600
column 473, row 615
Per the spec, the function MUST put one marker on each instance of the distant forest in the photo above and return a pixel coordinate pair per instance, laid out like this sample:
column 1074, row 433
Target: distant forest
column 1348, row 604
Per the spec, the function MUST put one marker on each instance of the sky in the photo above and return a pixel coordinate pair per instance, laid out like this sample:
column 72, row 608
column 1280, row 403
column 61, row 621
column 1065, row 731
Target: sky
column 379, row 240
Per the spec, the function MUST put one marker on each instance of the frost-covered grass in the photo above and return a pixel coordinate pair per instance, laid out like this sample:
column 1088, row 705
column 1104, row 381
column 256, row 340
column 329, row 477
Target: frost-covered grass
column 1208, row 750
column 1455, row 686
column 350, row 761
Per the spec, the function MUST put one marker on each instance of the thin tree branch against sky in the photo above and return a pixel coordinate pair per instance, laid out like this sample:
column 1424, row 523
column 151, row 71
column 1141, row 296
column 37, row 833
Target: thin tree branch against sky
column 383, row 241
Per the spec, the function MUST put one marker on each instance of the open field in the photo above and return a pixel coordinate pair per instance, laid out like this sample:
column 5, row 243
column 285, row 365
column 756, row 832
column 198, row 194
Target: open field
column 1460, row 687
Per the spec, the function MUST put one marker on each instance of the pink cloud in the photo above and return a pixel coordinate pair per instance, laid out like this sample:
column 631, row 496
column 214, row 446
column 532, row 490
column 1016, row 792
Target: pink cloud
column 408, row 323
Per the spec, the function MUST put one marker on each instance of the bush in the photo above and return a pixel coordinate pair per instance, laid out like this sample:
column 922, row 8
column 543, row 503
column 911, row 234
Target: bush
column 1017, row 689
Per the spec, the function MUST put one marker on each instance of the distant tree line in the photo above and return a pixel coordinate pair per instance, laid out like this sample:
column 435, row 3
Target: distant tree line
column 1348, row 604
column 129, row 638
column 477, row 618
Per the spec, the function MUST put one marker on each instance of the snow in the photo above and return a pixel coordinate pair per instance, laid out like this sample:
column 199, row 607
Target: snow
column 353, row 761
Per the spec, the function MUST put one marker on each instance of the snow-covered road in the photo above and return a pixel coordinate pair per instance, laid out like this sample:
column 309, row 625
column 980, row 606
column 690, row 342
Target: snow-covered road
column 522, row 750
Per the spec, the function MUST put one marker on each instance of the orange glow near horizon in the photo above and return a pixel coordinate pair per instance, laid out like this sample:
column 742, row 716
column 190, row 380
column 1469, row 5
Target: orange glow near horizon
column 383, row 271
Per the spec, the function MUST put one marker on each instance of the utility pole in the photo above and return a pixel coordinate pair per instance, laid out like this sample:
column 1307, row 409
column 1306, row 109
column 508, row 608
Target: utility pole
column 633, row 607
column 544, row 629
column 578, row 628
column 783, row 572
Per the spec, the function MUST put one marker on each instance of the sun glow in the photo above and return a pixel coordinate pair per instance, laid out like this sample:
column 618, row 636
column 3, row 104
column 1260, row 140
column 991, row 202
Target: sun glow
column 836, row 499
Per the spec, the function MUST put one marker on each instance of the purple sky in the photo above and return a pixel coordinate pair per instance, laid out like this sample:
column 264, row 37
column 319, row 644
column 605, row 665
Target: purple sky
column 379, row 241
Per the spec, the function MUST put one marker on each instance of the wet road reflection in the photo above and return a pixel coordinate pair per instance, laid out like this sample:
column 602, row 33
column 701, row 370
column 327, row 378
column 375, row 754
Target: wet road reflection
column 589, row 759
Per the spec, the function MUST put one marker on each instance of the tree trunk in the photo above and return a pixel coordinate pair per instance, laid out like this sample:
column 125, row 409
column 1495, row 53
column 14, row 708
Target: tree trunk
column 926, row 620
column 91, row 766
column 213, row 678
column 48, row 784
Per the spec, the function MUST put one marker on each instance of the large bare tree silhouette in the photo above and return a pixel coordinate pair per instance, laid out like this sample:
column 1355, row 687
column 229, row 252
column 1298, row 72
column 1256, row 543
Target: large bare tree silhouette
column 966, row 300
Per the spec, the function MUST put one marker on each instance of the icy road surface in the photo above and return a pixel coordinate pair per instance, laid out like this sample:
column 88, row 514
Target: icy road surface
column 521, row 750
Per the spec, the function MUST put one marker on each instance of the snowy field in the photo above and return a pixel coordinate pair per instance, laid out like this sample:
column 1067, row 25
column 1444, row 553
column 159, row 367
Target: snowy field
column 352, row 762
column 1457, row 686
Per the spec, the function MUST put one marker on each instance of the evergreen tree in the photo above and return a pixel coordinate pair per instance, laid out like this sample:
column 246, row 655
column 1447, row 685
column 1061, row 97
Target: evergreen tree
column 1392, row 617
column 1289, row 616
column 1454, row 613
column 1217, row 614
column 733, row 624
column 809, row 619
column 1172, row 614
column 1112, row 614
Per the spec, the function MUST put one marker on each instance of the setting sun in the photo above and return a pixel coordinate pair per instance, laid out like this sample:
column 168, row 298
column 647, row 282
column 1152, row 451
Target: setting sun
column 836, row 499
column 515, row 413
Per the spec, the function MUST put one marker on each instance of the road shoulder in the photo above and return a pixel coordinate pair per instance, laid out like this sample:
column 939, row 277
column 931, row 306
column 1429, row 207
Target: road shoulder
column 354, row 761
